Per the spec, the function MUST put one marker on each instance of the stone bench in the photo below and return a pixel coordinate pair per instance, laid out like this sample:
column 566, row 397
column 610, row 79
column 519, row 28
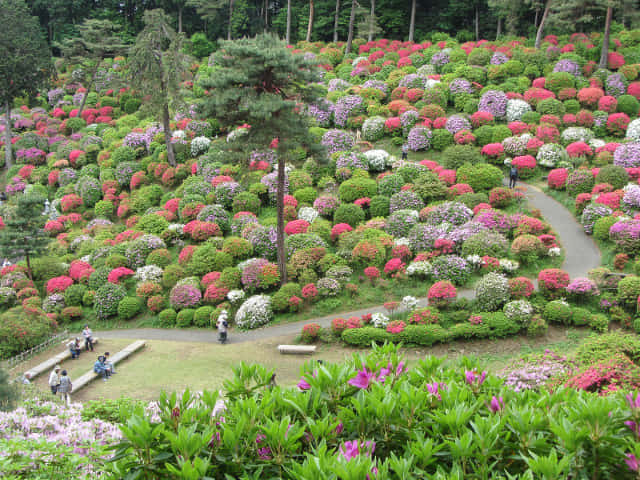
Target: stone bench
column 48, row 364
column 88, row 377
column 296, row 349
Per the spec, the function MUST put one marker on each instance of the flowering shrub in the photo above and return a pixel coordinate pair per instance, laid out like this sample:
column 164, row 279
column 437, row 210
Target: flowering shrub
column 492, row 291
column 310, row 332
column 59, row 284
column 552, row 282
column 254, row 312
column 185, row 296
column 441, row 294
column 117, row 274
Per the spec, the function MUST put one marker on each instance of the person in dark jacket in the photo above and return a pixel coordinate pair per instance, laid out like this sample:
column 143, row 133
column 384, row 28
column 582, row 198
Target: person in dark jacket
column 513, row 176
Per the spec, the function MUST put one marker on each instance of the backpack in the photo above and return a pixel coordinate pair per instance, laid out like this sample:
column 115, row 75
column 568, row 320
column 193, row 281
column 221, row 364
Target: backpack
column 513, row 172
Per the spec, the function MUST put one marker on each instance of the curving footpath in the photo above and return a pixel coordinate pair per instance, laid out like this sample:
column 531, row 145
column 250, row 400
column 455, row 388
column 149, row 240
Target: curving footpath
column 581, row 255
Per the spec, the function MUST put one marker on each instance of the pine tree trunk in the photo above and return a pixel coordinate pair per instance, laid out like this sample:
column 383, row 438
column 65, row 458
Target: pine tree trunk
column 26, row 256
column 604, row 56
column 230, row 15
column 372, row 16
column 543, row 20
column 535, row 19
column 282, row 259
column 266, row 16
column 477, row 22
column 8, row 155
column 288, row 33
column 335, row 22
column 412, row 22
column 352, row 19
column 310, row 25
column 171, row 156
column 499, row 29
column 84, row 98
column 179, row 19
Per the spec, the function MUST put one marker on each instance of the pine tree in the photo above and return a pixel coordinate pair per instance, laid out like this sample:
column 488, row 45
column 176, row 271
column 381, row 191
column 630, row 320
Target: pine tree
column 352, row 19
column 96, row 41
column 25, row 60
column 258, row 81
column 23, row 235
column 157, row 66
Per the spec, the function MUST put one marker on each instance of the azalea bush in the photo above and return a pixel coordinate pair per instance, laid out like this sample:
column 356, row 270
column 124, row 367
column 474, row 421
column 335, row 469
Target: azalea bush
column 351, row 435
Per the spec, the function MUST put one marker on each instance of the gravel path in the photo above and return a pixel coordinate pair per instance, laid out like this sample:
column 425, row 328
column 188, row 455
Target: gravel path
column 581, row 255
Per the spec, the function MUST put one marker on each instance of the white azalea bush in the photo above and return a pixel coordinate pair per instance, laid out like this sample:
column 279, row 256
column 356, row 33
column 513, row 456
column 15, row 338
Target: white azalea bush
column 199, row 145
column 308, row 214
column 235, row 296
column 518, row 310
column 378, row 160
column 379, row 320
column 148, row 273
column 419, row 269
column 633, row 130
column 550, row 154
column 254, row 312
column 373, row 129
column 516, row 108
column 577, row 134
column 492, row 291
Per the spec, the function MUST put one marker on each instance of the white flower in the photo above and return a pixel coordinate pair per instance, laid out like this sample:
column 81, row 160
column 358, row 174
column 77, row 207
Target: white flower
column 597, row 143
column 373, row 129
column 554, row 252
column 509, row 265
column 402, row 240
column 254, row 312
column 550, row 154
column 235, row 296
column 577, row 134
column 516, row 108
column 419, row 269
column 633, row 130
column 358, row 60
column 430, row 83
column 199, row 145
column 179, row 134
column 409, row 303
column 308, row 213
column 236, row 134
column 148, row 273
column 176, row 227
column 475, row 260
column 378, row 160
column 379, row 320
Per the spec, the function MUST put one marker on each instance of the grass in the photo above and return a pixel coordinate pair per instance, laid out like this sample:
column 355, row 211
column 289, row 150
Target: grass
column 164, row 365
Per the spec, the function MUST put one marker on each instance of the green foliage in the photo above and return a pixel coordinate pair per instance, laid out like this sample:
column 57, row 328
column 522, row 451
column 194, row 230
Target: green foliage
column 480, row 177
column 202, row 316
column 457, row 155
column 9, row 393
column 185, row 317
column 167, row 317
column 355, row 188
column 208, row 259
column 110, row 410
column 73, row 295
column 129, row 307
column 349, row 213
column 557, row 311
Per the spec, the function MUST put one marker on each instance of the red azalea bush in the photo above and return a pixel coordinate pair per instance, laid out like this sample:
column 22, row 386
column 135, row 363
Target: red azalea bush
column 210, row 278
column 607, row 104
column 557, row 178
column 609, row 376
column 442, row 293
column 338, row 325
column 80, row 271
column 548, row 134
column 372, row 273
column 70, row 202
column 394, row 267
column 521, row 287
column 590, row 96
column 500, row 197
column 215, row 293
column 310, row 332
column 579, row 149
column 310, row 292
column 552, row 282
column 610, row 199
column 338, row 229
column 59, row 284
column 582, row 200
column 481, row 118
column 526, row 165
column 117, row 273
column 54, row 227
column 459, row 189
column 156, row 303
column 493, row 151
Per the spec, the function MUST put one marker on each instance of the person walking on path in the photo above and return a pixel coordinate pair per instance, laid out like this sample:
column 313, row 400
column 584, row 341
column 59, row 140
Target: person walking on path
column 405, row 151
column 513, row 176
column 88, row 338
column 54, row 379
column 222, row 325
column 65, row 388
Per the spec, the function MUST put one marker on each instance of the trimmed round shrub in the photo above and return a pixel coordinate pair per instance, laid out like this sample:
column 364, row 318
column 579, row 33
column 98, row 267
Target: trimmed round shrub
column 480, row 177
column 73, row 295
column 202, row 316
column 579, row 181
column 129, row 307
column 355, row 188
column 457, row 155
column 489, row 243
column 557, row 311
column 184, row 318
column 349, row 213
column 602, row 226
column 107, row 299
column 185, row 296
column 152, row 223
column 167, row 317
column 527, row 248
column 629, row 290
column 280, row 299
column 553, row 282
column 246, row 202
column 160, row 257
column 614, row 175
column 208, row 259
column 379, row 206
column 254, row 312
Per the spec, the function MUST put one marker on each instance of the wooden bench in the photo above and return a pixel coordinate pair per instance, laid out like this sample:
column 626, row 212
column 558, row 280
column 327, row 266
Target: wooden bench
column 296, row 349
column 88, row 377
column 47, row 365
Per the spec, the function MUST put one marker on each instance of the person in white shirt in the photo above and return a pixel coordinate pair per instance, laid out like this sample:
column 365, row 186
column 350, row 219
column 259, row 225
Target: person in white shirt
column 54, row 379
column 88, row 338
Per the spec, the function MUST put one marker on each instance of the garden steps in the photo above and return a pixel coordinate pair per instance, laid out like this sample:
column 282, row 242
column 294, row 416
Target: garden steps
column 88, row 377
column 48, row 364
column 296, row 349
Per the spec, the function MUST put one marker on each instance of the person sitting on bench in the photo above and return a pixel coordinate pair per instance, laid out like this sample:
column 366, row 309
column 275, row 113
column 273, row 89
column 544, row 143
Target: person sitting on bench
column 108, row 364
column 74, row 348
column 101, row 369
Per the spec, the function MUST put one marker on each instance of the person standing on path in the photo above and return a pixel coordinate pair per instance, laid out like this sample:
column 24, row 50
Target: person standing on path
column 405, row 151
column 54, row 379
column 222, row 325
column 513, row 176
column 65, row 388
column 88, row 338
